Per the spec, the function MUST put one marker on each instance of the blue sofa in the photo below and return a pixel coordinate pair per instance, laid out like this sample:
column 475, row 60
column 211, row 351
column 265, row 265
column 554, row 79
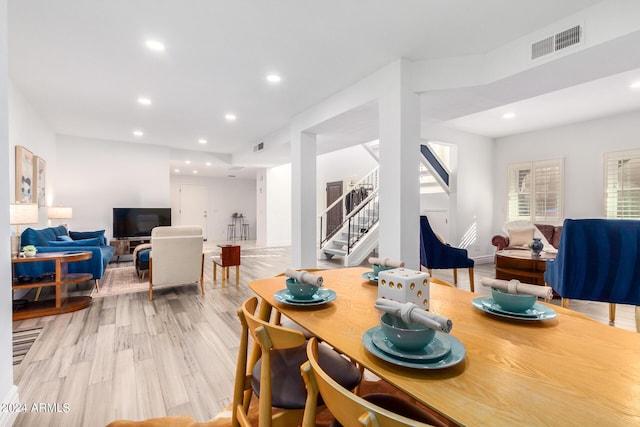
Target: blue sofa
column 57, row 239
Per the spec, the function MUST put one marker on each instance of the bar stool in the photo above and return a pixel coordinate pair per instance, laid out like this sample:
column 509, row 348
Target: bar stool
column 231, row 232
column 244, row 235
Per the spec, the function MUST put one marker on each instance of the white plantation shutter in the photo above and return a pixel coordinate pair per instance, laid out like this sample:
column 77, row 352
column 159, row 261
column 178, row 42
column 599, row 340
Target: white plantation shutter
column 622, row 184
column 535, row 191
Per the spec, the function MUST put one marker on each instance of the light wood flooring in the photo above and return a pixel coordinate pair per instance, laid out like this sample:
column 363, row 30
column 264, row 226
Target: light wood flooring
column 126, row 357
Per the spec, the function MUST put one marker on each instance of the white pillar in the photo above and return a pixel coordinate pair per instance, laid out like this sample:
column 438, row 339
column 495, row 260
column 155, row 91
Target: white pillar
column 303, row 200
column 399, row 125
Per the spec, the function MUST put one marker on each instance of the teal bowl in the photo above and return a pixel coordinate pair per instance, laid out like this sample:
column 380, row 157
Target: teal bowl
column 301, row 290
column 405, row 337
column 513, row 302
column 377, row 268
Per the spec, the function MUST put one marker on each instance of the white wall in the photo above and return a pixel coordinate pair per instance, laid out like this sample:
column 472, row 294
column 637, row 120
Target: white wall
column 95, row 176
column 582, row 145
column 226, row 196
column 471, row 201
column 32, row 132
column 351, row 162
column 8, row 391
column 278, row 206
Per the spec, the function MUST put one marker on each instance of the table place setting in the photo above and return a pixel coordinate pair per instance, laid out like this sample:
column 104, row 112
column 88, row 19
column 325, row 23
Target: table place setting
column 304, row 289
column 380, row 264
column 412, row 337
column 515, row 300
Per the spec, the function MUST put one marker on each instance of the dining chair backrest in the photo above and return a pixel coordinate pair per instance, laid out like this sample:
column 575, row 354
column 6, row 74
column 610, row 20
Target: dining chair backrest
column 267, row 336
column 347, row 407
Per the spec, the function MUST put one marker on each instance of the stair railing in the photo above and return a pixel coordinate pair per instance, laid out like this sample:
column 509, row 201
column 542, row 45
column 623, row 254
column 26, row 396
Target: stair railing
column 435, row 166
column 368, row 183
column 362, row 219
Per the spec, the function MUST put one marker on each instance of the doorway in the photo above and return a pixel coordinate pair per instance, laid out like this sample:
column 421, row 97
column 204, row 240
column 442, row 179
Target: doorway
column 334, row 216
column 194, row 205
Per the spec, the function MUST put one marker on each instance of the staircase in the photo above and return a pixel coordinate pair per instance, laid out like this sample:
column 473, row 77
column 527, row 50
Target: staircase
column 357, row 236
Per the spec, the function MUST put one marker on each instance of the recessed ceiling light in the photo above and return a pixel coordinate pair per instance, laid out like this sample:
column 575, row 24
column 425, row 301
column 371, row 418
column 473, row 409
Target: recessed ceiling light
column 195, row 171
column 635, row 85
column 188, row 162
column 202, row 141
column 154, row 45
column 176, row 170
column 230, row 117
column 138, row 133
column 208, row 163
column 144, row 101
column 274, row 78
column 508, row 115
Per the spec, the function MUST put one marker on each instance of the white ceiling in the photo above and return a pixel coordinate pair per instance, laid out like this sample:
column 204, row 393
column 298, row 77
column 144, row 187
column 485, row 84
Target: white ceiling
column 83, row 63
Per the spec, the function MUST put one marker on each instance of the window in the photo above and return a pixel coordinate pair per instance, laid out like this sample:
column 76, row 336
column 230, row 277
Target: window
column 535, row 191
column 622, row 184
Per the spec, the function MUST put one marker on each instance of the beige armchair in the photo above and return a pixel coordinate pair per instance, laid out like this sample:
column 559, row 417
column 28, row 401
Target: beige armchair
column 176, row 257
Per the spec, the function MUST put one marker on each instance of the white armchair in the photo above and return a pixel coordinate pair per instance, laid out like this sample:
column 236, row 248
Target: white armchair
column 176, row 257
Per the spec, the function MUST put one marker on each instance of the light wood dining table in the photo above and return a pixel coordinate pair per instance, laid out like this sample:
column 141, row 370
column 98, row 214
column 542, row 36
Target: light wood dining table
column 567, row 371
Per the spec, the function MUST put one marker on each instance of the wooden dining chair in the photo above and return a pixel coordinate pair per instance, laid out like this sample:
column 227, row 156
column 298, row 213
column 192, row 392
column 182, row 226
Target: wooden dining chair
column 351, row 410
column 275, row 378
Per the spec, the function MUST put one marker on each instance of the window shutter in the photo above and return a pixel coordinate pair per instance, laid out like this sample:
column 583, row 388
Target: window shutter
column 622, row 184
column 535, row 191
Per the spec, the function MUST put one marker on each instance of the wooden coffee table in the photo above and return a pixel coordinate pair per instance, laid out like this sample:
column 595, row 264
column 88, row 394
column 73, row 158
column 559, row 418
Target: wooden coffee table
column 521, row 265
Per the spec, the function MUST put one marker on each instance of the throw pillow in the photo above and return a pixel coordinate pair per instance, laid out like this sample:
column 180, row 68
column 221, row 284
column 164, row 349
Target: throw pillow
column 64, row 239
column 84, row 242
column 80, row 235
column 520, row 237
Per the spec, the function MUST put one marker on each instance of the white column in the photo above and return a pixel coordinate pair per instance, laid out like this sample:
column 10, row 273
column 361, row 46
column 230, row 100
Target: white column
column 8, row 391
column 399, row 125
column 303, row 199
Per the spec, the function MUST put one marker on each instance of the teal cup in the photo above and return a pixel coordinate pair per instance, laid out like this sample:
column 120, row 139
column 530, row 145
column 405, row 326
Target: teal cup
column 300, row 290
column 377, row 268
column 405, row 336
column 513, row 302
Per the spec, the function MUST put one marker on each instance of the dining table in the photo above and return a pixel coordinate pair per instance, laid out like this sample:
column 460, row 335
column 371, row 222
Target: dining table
column 566, row 370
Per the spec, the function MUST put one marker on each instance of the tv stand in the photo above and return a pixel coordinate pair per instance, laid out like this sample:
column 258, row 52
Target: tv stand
column 126, row 246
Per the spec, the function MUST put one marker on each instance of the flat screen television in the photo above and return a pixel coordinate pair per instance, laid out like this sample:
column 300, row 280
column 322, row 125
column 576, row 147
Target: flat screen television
column 138, row 222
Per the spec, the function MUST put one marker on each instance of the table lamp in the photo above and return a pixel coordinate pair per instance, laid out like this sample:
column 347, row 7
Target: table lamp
column 21, row 214
column 59, row 212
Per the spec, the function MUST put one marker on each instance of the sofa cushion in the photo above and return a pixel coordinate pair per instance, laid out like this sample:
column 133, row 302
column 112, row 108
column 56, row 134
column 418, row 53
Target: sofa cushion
column 520, row 237
column 64, row 238
column 96, row 241
column 80, row 235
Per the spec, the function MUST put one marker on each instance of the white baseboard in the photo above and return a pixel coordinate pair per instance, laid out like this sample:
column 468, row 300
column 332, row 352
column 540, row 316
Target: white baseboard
column 7, row 418
column 483, row 259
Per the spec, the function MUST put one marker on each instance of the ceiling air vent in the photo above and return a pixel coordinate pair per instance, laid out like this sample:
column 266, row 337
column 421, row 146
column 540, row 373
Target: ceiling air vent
column 556, row 42
column 258, row 147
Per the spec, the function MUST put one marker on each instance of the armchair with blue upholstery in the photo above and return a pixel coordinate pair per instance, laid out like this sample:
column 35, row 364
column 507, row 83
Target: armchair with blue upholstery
column 598, row 260
column 436, row 254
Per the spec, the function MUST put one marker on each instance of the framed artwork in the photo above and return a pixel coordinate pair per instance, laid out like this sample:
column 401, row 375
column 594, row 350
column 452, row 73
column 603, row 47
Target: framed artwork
column 24, row 175
column 40, row 170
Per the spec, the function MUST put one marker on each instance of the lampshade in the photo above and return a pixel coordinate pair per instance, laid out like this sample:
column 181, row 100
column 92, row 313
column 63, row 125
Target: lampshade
column 23, row 213
column 59, row 212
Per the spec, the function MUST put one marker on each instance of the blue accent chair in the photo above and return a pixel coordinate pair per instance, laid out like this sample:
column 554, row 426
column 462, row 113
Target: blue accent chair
column 598, row 260
column 436, row 254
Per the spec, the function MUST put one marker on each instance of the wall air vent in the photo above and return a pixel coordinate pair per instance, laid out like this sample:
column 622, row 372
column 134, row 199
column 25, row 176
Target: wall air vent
column 559, row 41
column 258, row 147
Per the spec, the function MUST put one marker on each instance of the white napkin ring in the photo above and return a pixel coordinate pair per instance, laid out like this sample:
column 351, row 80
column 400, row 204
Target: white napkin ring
column 512, row 287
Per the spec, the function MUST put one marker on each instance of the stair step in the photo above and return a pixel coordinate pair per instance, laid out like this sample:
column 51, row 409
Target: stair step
column 333, row 251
